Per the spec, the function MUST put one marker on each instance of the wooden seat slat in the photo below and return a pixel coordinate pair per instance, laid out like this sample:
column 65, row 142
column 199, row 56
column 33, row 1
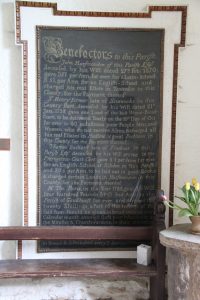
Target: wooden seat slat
column 95, row 268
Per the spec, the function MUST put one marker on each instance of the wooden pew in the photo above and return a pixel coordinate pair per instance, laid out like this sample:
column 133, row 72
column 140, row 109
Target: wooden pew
column 95, row 268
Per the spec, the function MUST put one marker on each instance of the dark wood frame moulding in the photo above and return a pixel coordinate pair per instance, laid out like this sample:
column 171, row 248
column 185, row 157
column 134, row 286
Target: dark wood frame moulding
column 56, row 12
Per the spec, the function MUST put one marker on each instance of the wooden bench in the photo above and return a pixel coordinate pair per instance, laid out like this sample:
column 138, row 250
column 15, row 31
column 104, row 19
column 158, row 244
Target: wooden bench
column 95, row 268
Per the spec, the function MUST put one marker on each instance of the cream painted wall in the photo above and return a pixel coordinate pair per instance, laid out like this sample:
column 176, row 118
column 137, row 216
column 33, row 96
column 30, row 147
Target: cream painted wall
column 187, row 139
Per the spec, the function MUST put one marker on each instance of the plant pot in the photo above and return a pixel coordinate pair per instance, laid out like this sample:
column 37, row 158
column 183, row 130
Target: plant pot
column 195, row 228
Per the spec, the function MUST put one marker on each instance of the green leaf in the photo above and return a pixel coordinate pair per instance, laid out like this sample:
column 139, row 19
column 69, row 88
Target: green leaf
column 198, row 196
column 185, row 212
column 192, row 197
column 181, row 198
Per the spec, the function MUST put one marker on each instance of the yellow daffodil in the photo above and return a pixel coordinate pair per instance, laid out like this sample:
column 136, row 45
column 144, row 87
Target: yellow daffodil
column 190, row 199
column 187, row 186
column 194, row 181
column 197, row 186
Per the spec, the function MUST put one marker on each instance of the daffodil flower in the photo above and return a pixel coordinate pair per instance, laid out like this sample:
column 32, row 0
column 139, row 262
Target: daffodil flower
column 194, row 181
column 197, row 186
column 187, row 186
column 190, row 199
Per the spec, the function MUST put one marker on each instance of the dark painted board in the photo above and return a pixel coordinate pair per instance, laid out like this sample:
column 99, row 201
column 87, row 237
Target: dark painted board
column 99, row 128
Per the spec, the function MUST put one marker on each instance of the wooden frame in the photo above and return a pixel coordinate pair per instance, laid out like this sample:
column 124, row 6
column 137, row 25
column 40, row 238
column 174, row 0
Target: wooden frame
column 56, row 12
column 144, row 15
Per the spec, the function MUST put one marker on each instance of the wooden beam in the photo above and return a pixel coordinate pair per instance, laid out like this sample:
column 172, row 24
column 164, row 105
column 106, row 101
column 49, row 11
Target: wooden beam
column 4, row 144
column 75, row 233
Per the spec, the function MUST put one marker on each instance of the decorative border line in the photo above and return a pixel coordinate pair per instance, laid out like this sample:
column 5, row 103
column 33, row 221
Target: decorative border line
column 174, row 107
column 56, row 12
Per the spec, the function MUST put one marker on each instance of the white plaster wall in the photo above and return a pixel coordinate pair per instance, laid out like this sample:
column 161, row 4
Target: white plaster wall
column 187, row 145
column 10, row 123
